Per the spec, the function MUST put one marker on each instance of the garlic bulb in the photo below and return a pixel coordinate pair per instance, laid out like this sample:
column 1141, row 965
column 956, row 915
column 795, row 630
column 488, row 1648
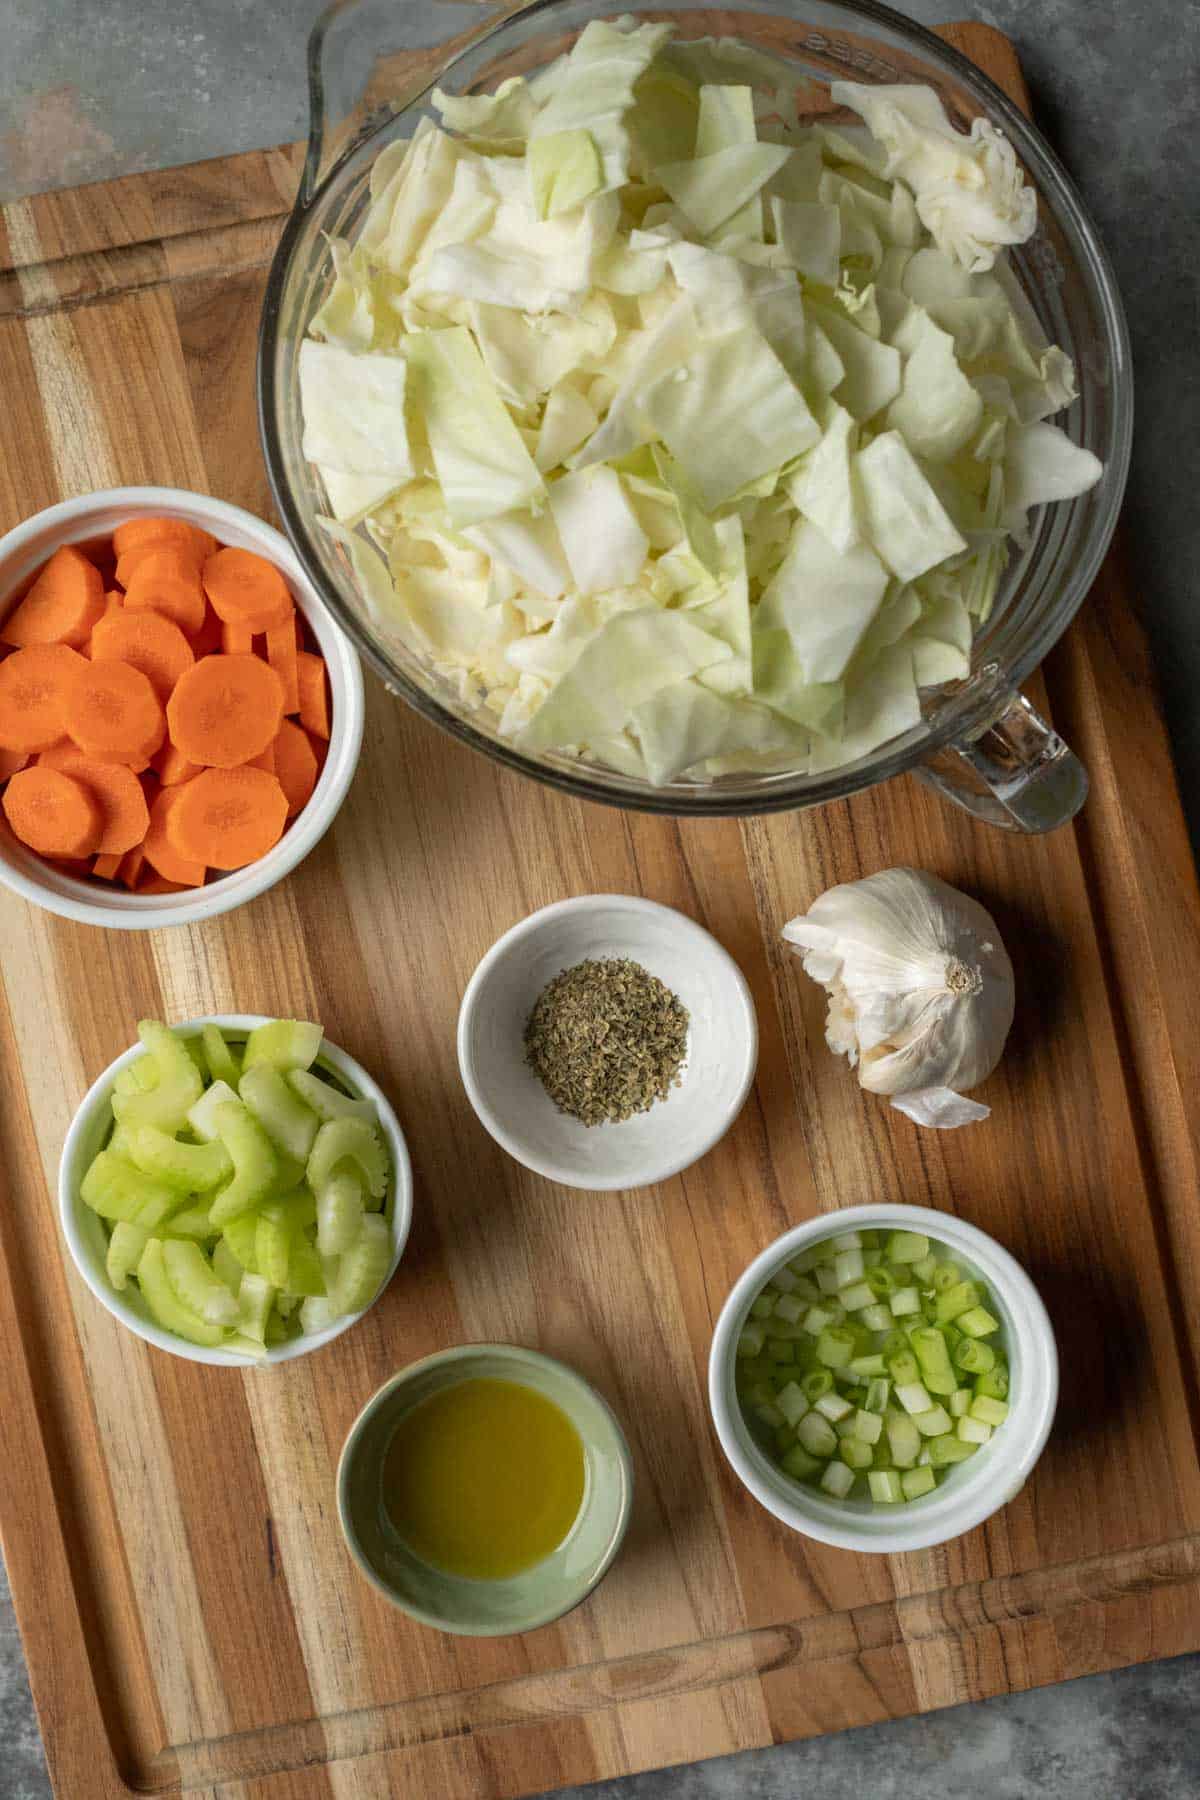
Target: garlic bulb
column 920, row 989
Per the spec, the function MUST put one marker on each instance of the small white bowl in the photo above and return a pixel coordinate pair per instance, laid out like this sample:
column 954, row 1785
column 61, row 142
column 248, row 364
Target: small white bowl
column 85, row 1233
column 91, row 516
column 514, row 1106
column 971, row 1491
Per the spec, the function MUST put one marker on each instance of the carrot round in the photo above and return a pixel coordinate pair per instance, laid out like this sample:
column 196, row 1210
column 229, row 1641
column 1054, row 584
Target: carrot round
column 117, row 792
column 246, row 589
column 131, row 867
column 167, row 580
column 11, row 761
column 62, row 605
column 158, row 849
column 314, row 697
column 148, row 641
column 33, row 695
column 172, row 766
column 206, row 641
column 295, row 766
column 281, row 654
column 53, row 813
column 106, row 867
column 113, row 712
column 227, row 817
column 159, row 531
column 237, row 640
column 158, row 884
column 225, row 710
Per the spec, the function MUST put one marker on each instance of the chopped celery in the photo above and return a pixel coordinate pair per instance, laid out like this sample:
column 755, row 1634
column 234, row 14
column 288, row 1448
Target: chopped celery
column 116, row 1189
column 256, row 1166
column 857, row 1296
column 769, row 1414
column 202, row 1116
column 364, row 1266
column 305, row 1274
column 273, row 1249
column 783, row 1281
column 930, row 1348
column 923, row 1270
column 290, row 1125
column 940, row 1381
column 876, row 1318
column 904, row 1368
column 318, row 1312
column 349, row 1140
column 790, row 1307
column 164, row 1304
column 916, row 1482
column 750, row 1340
column 827, row 1279
column 193, row 1222
column 283, row 1044
column 125, row 1248
column 196, row 1284
column 877, row 1395
column 817, row 1318
column 895, row 1343
column 189, row 1168
column 845, row 1240
column 913, row 1396
column 959, row 1402
column 835, row 1346
column 240, row 1234
column 868, row 1426
column 340, row 1215
column 978, row 1322
column 178, row 1087
column 763, row 1307
column 327, row 1101
column 223, row 1065
column 904, row 1440
column 848, row 1267
column 865, row 1366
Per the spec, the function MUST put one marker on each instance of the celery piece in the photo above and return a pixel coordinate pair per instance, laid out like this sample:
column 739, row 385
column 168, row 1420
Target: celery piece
column 763, row 1307
column 868, row 1426
column 907, row 1246
column 195, row 1283
column 227, row 1268
column 223, row 1065
column 799, row 1464
column 327, row 1101
column 779, row 1328
column 286, row 1304
column 835, row 1346
column 178, row 1087
column 340, row 1215
column 934, row 1422
column 193, row 1222
column 885, row 1487
column 912, row 1396
column 283, row 1044
column 750, row 1339
column 949, row 1448
column 188, row 1168
column 290, row 1125
column 993, row 1383
column 973, row 1431
column 349, row 1140
column 817, row 1318
column 780, row 1350
column 769, row 1415
column 318, row 1312
column 816, row 1434
column 946, row 1275
column 974, row 1357
column 782, row 1438
column 305, row 1274
column 363, row 1268
column 845, row 1240
column 929, row 1307
column 894, row 1343
column 904, row 1368
column 848, row 1267
column 905, row 1301
column 117, row 1190
column 916, row 1482
column 957, row 1300
column 791, row 1402
column 876, row 1318
column 855, row 1297
column 866, row 1366
column 833, row 1407
column 120, row 1142
column 978, row 1322
column 941, row 1382
column 241, row 1236
column 243, row 1345
column 137, row 1078
column 195, row 1050
column 854, row 1454
column 201, row 1117
column 790, row 1307
column 816, row 1383
column 256, row 1166
column 922, row 1271
column 272, row 1249
column 125, row 1248
column 783, row 1281
column 827, row 1279
column 904, row 1440
column 877, row 1394
column 164, row 1304
column 881, row 1282
column 988, row 1409
column 837, row 1480
column 959, row 1402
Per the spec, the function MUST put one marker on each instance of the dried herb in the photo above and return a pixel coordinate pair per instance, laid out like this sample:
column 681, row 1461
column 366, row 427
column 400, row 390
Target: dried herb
column 606, row 1039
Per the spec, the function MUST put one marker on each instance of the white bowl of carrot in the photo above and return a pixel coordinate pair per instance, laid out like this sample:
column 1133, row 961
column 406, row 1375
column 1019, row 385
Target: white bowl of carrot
column 180, row 718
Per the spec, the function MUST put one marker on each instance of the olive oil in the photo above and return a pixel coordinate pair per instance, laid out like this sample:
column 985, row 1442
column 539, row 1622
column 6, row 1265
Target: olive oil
column 484, row 1478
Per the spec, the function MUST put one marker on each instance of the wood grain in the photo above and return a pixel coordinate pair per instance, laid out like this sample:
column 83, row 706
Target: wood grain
column 190, row 1616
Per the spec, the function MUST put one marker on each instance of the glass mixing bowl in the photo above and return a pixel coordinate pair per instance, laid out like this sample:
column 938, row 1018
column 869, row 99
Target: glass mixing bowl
column 371, row 66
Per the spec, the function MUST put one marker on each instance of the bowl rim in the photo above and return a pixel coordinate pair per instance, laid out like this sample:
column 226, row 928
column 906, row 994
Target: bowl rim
column 100, row 1092
column 917, row 1526
column 518, row 1354
column 987, row 687
column 67, row 522
column 669, row 1163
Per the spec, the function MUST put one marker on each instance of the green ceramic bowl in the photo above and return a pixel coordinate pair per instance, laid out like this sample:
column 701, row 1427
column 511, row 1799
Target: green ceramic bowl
column 455, row 1602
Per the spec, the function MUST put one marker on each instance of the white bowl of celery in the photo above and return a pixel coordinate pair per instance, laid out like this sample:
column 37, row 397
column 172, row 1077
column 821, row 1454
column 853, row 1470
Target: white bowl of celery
column 235, row 1190
column 883, row 1378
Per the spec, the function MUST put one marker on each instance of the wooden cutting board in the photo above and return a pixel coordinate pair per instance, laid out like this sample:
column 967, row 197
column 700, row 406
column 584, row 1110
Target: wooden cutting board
column 190, row 1616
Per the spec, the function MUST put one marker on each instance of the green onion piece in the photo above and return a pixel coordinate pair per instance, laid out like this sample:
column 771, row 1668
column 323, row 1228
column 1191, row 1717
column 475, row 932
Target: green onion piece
column 913, row 1397
column 780, row 1350
column 877, row 1395
column 868, row 1426
column 750, row 1340
column 959, row 1402
column 993, row 1383
column 930, row 1347
column 895, row 1343
column 866, row 1366
column 816, row 1383
column 907, row 1246
column 905, row 1301
column 881, row 1282
column 769, row 1414
column 817, row 1318
column 904, row 1367
column 783, row 1281
column 869, row 1239
column 816, row 1434
column 783, row 1439
column 799, row 1464
column 835, row 1346
column 904, row 1440
column 989, row 1409
column 973, row 1431
column 974, row 1357
column 877, row 1317
column 837, row 1480
column 848, row 1267
column 916, row 1482
column 957, row 1300
column 885, row 1487
column 945, row 1276
column 790, row 1307
column 929, row 1307
column 854, row 1454
column 949, row 1449
column 941, row 1381
column 923, row 1270
column 763, row 1307
column 855, row 1297
column 933, row 1423
column 846, row 1240
column 791, row 1402
column 827, row 1279
column 978, row 1322
column 832, row 1407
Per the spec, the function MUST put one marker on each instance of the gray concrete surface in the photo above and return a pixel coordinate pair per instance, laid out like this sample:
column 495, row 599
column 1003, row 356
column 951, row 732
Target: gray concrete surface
column 88, row 92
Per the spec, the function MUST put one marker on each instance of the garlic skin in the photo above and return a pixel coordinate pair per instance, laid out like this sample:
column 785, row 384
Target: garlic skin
column 920, row 989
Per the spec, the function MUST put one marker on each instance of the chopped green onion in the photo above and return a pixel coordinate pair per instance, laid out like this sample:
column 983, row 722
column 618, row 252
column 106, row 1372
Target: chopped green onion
column 816, row 1434
column 885, row 1487
column 933, row 1423
column 783, row 1281
column 923, row 1270
column 907, row 1247
column 949, row 1449
column 895, row 1343
column 837, row 1480
column 974, row 1357
column 855, row 1297
column 816, row 1383
column 913, row 1397
column 881, row 1282
column 916, row 1482
column 989, row 1409
column 854, row 1454
column 750, row 1342
column 763, row 1307
column 832, row 1407
column 848, row 1267
column 930, row 1347
column 959, row 1403
column 769, row 1414
column 904, row 1367
column 790, row 1307
column 791, row 1402
column 905, row 1301
column 868, row 1426
column 993, row 1383
column 876, row 1318
column 799, row 1464
column 904, row 1440
column 847, row 1240
column 827, row 1279
column 957, row 1300
column 835, row 1347
column 945, row 1276
column 978, row 1323
column 877, row 1395
column 973, row 1431
column 866, row 1365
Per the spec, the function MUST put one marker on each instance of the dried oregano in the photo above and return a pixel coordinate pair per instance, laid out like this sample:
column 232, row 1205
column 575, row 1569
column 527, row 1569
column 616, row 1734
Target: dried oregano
column 607, row 1039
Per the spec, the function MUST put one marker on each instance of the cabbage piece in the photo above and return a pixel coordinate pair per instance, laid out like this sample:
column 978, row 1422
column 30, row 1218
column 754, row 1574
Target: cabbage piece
column 604, row 545
column 526, row 355
column 501, row 120
column 824, row 599
column 662, row 120
column 970, row 192
column 1043, row 464
column 810, row 235
column 347, row 316
column 779, row 682
column 568, row 418
column 729, row 414
column 823, row 487
column 685, row 724
column 871, row 377
column 628, row 660
column 649, row 355
column 937, row 410
column 351, row 497
column 370, row 573
column 564, row 169
column 727, row 614
column 725, row 117
column 711, row 189
column 529, row 545
column 882, row 704
column 482, row 464
column 596, row 89
column 353, row 409
column 701, row 534
column 394, row 229
column 902, row 515
column 728, row 292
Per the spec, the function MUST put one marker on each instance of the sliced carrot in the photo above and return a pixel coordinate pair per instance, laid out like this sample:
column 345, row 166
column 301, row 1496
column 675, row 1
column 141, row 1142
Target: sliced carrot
column 159, row 851
column 159, row 531
column 62, row 605
column 281, row 654
column 117, row 792
column 265, row 759
column 227, row 817
column 182, row 554
column 168, row 581
column 113, row 712
column 131, row 867
column 53, row 813
column 158, row 884
column 147, row 641
column 207, row 641
column 295, row 766
column 314, row 697
column 106, row 867
column 113, row 602
column 172, row 766
column 225, row 710
column 11, row 761
column 246, row 589
column 237, row 640
column 33, row 695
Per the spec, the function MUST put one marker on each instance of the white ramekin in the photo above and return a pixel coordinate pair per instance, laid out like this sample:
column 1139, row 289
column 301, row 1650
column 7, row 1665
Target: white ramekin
column 85, row 1234
column 972, row 1490
column 90, row 902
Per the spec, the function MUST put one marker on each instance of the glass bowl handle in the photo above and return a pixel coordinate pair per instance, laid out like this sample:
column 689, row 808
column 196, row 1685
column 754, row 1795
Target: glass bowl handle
column 1016, row 772
column 369, row 59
